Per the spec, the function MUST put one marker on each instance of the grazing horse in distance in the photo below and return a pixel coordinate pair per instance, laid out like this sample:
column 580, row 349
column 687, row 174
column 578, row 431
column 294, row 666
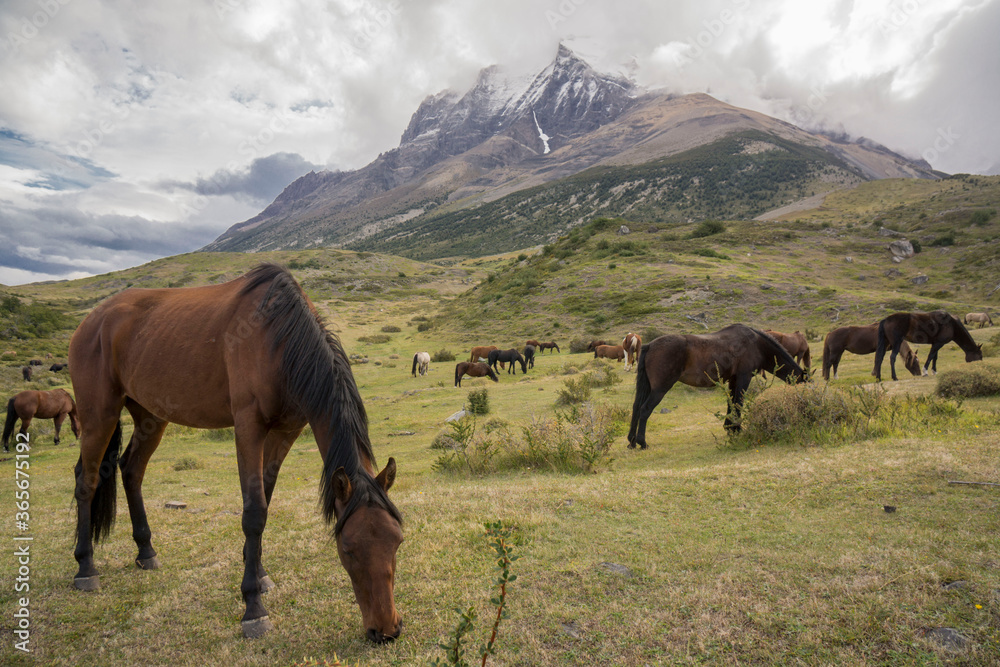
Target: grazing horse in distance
column 35, row 362
column 55, row 368
column 982, row 319
column 254, row 354
column 482, row 352
column 529, row 355
column 533, row 343
column 632, row 343
column 548, row 346
column 421, row 361
column 26, row 373
column 509, row 357
column 476, row 369
column 795, row 343
column 27, row 405
column 730, row 355
column 936, row 328
column 861, row 340
column 616, row 352
column 592, row 345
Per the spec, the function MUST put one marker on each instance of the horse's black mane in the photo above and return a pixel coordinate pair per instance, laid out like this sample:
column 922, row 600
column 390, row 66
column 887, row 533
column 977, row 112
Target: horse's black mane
column 780, row 351
column 318, row 378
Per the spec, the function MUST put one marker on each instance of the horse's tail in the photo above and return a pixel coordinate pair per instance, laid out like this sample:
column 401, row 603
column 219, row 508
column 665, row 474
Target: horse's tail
column 827, row 361
column 414, row 371
column 457, row 374
column 882, row 342
column 642, row 391
column 104, row 505
column 807, row 358
column 8, row 425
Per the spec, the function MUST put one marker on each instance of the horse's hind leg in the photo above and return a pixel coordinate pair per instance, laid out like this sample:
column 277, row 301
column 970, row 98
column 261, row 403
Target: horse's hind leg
column 146, row 434
column 737, row 389
column 276, row 447
column 641, row 414
column 58, row 422
column 94, row 471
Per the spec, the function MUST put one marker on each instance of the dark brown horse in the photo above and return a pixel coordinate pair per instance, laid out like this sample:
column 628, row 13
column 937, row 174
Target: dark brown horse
column 616, row 352
column 507, row 357
column 476, row 369
column 936, row 328
column 26, row 373
column 252, row 353
column 529, row 355
column 549, row 346
column 860, row 340
column 632, row 343
column 592, row 345
column 731, row 355
column 796, row 345
column 27, row 405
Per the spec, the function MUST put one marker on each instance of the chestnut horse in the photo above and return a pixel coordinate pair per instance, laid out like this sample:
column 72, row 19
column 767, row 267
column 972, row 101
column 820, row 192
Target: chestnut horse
column 616, row 352
column 27, row 405
column 533, row 343
column 983, row 319
column 592, row 345
column 252, row 353
column 730, row 355
column 936, row 327
column 632, row 344
column 482, row 352
column 476, row 369
column 860, row 340
column 795, row 343
column 549, row 346
column 421, row 362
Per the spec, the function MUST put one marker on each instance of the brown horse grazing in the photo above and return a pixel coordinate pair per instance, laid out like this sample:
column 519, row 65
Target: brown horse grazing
column 616, row 352
column 476, row 369
column 796, row 344
column 549, row 346
column 982, row 319
column 860, row 340
column 936, row 327
column 482, row 352
column 730, row 355
column 632, row 343
column 533, row 343
column 592, row 345
column 27, row 405
column 252, row 353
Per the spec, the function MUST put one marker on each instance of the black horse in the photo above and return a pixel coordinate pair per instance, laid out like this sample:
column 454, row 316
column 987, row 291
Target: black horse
column 731, row 355
column 936, row 327
column 508, row 357
column 529, row 355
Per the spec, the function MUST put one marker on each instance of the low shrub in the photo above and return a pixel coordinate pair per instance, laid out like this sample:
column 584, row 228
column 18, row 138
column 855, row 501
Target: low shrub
column 969, row 381
column 188, row 463
column 389, row 328
column 374, row 339
column 479, row 402
column 443, row 355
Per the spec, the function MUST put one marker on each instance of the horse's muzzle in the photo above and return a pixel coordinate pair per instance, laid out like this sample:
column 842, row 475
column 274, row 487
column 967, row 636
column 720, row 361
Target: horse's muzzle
column 377, row 637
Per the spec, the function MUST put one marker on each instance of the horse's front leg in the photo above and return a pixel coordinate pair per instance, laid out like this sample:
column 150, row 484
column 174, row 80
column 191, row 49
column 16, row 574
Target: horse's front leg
column 58, row 422
column 146, row 435
column 276, row 447
column 932, row 358
column 250, row 455
column 738, row 385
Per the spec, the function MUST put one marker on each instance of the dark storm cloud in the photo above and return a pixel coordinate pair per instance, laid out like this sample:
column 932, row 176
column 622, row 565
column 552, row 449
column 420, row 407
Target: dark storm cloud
column 261, row 182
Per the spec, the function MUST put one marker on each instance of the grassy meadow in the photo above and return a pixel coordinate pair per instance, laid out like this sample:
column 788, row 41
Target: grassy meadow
column 702, row 549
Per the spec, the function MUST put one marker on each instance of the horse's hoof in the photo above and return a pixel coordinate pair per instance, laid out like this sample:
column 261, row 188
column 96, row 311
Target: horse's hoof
column 258, row 627
column 631, row 445
column 152, row 563
column 266, row 584
column 88, row 583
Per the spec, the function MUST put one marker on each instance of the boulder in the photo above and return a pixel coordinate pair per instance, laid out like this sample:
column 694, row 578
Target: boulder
column 902, row 249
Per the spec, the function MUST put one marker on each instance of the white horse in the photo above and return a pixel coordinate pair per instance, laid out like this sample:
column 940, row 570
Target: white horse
column 632, row 344
column 983, row 319
column 423, row 360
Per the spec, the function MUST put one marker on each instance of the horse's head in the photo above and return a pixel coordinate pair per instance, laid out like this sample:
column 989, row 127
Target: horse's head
column 74, row 420
column 493, row 375
column 367, row 542
column 912, row 362
column 975, row 355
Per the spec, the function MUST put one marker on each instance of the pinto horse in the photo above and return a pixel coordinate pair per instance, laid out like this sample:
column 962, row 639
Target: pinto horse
column 476, row 369
column 252, row 353
column 982, row 319
column 27, row 405
column 795, row 343
column 936, row 328
column 508, row 357
column 421, row 362
column 616, row 352
column 549, row 346
column 632, row 344
column 731, row 355
column 860, row 340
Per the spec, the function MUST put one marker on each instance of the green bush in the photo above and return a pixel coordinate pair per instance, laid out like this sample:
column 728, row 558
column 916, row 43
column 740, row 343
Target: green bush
column 707, row 228
column 969, row 381
column 479, row 402
column 708, row 252
column 374, row 339
column 575, row 390
column 389, row 328
column 443, row 355
column 188, row 463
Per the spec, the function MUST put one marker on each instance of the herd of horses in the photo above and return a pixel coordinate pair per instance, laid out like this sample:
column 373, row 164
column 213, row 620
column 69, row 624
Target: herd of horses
column 266, row 365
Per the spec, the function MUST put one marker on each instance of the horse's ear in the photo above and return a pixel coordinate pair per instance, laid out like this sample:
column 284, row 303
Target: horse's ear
column 388, row 475
column 341, row 486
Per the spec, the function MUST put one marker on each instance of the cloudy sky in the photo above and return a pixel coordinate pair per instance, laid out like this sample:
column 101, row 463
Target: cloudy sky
column 131, row 130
